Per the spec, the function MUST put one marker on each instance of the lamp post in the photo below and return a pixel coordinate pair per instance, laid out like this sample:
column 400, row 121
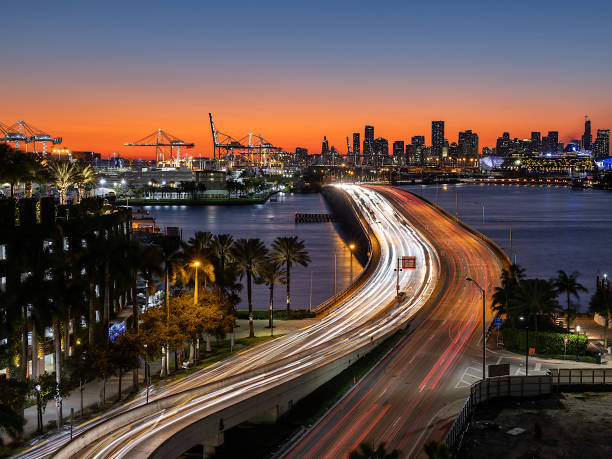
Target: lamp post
column 526, row 344
column 484, row 341
column 397, row 270
column 351, row 248
column 147, row 376
column 195, row 290
column 577, row 342
column 38, row 410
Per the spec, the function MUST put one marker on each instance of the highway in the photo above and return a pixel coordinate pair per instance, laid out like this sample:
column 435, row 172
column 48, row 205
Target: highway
column 414, row 394
column 371, row 313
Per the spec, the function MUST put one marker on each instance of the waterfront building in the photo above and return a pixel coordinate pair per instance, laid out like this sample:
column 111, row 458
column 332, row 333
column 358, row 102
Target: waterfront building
column 550, row 143
column 418, row 140
column 468, row 143
column 301, row 156
column 587, row 138
column 356, row 147
column 51, row 246
column 368, row 144
column 601, row 148
column 536, row 142
column 437, row 138
column 398, row 152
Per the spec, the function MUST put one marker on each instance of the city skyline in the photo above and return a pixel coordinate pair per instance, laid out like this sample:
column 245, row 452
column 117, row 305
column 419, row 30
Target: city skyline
column 294, row 75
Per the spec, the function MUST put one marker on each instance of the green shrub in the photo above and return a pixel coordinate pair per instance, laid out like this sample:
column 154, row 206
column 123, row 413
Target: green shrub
column 545, row 343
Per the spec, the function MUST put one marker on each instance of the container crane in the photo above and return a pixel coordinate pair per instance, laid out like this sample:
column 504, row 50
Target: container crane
column 163, row 142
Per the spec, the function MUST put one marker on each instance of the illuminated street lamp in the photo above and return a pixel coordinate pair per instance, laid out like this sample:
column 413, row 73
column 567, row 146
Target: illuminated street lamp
column 195, row 290
column 351, row 248
column 484, row 343
column 521, row 318
column 38, row 410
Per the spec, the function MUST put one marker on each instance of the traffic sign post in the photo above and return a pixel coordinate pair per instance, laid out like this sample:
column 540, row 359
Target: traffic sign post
column 565, row 345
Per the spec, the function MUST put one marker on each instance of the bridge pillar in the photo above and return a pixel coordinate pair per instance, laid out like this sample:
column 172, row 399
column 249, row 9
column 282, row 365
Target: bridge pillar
column 210, row 445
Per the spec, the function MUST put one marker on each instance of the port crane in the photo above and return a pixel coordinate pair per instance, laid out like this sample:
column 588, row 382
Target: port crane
column 164, row 144
column 24, row 132
column 252, row 147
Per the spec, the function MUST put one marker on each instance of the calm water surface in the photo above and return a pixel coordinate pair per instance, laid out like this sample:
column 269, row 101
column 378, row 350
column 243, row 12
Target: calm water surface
column 552, row 227
column 268, row 221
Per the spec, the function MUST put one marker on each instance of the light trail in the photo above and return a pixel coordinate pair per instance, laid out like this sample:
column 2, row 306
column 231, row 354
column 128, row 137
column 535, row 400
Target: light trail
column 370, row 313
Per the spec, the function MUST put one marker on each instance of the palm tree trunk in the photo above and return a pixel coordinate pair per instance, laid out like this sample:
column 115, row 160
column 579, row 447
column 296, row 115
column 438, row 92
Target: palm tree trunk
column 271, row 324
column 208, row 348
column 288, row 289
column 164, row 366
column 568, row 311
column 119, row 390
column 34, row 374
column 28, row 189
column 92, row 312
column 24, row 347
column 251, row 330
column 67, row 350
column 81, row 189
column 58, row 367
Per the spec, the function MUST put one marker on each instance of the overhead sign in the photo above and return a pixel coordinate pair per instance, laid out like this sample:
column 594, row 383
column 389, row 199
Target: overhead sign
column 408, row 262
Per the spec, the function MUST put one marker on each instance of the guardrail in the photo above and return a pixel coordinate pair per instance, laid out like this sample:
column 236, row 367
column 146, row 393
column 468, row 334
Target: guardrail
column 525, row 386
column 368, row 268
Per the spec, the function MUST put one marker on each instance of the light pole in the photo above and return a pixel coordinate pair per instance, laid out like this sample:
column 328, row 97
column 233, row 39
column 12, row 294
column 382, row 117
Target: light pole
column 38, row 410
column 147, row 377
column 526, row 344
column 195, row 290
column 577, row 342
column 397, row 270
column 351, row 248
column 484, row 341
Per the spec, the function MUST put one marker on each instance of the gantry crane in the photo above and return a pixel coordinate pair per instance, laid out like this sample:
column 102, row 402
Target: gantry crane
column 248, row 146
column 163, row 143
column 26, row 133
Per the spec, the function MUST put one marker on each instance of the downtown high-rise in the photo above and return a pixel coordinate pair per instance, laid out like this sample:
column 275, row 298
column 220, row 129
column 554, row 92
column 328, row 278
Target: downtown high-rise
column 437, row 138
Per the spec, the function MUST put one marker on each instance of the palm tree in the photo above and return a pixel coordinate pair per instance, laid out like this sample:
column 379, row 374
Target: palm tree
column 249, row 255
column 201, row 240
column 534, row 297
column 601, row 303
column 510, row 279
column 367, row 451
column 222, row 246
column 569, row 285
column 171, row 257
column 271, row 273
column 84, row 175
column 63, row 176
column 290, row 251
column 33, row 171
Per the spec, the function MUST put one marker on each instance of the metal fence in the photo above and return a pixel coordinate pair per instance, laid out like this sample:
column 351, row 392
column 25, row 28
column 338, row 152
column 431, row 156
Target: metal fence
column 525, row 386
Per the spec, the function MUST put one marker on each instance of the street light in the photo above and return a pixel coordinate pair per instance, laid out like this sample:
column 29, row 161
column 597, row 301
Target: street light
column 484, row 344
column 351, row 248
column 147, row 371
column 195, row 290
column 38, row 410
column 577, row 342
column 521, row 318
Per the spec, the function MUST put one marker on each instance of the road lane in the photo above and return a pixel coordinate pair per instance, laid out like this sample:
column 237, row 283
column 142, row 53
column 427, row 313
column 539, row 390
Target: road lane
column 416, row 385
column 368, row 314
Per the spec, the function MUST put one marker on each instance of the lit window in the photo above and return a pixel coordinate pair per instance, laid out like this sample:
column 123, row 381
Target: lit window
column 66, row 244
column 2, row 251
column 48, row 245
column 2, row 284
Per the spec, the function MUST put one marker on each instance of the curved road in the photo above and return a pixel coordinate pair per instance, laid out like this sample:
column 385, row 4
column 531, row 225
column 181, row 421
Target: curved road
column 370, row 313
column 414, row 394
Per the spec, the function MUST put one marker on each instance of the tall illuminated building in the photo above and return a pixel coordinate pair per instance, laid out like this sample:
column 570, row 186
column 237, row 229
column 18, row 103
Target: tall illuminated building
column 536, row 141
column 601, row 147
column 587, row 138
column 356, row 147
column 368, row 144
column 437, row 138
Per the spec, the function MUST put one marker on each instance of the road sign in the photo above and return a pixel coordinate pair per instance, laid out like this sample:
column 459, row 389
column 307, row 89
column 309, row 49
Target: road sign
column 531, row 350
column 565, row 339
column 408, row 262
column 498, row 322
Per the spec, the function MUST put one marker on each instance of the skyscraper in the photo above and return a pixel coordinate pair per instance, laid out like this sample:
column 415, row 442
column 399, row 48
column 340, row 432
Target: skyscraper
column 437, row 138
column 536, row 142
column 368, row 144
column 325, row 151
column 398, row 152
column 418, row 140
column 553, row 141
column 601, row 147
column 381, row 150
column 356, row 147
column 468, row 143
column 587, row 138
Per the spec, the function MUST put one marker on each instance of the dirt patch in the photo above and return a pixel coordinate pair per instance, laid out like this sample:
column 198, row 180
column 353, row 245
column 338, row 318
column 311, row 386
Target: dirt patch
column 568, row 425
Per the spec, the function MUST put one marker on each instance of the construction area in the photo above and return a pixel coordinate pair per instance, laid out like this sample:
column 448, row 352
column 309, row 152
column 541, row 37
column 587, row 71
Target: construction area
column 565, row 425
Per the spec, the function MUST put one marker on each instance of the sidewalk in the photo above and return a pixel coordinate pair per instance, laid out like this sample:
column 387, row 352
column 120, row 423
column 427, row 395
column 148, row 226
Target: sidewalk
column 91, row 390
